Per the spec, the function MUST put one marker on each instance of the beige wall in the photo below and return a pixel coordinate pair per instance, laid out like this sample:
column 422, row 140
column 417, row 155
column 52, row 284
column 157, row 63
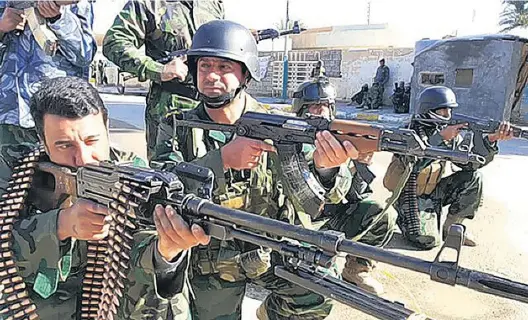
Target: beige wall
column 357, row 67
column 351, row 36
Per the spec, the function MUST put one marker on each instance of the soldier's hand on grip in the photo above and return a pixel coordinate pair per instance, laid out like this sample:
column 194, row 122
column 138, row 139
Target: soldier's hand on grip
column 450, row 132
column 85, row 220
column 244, row 153
column 504, row 132
column 174, row 234
column 12, row 19
column 330, row 153
column 176, row 68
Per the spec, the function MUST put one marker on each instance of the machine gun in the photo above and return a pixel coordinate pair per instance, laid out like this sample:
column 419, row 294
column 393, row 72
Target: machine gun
column 289, row 133
column 130, row 193
column 45, row 38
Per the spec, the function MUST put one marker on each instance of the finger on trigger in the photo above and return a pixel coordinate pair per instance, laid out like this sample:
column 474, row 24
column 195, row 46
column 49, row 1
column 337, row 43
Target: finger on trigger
column 264, row 146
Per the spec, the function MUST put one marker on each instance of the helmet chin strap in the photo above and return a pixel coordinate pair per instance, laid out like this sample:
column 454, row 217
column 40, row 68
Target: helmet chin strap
column 222, row 100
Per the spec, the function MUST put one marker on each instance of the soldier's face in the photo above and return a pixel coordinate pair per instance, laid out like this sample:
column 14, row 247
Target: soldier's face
column 320, row 109
column 444, row 112
column 218, row 76
column 76, row 142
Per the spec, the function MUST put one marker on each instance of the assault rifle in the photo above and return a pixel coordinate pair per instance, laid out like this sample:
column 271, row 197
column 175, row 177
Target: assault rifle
column 263, row 34
column 304, row 264
column 477, row 125
column 289, row 133
column 38, row 24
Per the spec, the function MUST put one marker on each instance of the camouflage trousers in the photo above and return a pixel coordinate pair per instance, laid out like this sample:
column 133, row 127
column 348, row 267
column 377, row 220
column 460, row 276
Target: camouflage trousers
column 10, row 134
column 216, row 298
column 159, row 102
column 364, row 219
column 461, row 191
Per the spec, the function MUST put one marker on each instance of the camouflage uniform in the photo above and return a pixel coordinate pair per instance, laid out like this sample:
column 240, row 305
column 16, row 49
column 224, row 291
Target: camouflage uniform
column 381, row 78
column 53, row 270
column 461, row 191
column 163, row 27
column 221, row 270
column 360, row 219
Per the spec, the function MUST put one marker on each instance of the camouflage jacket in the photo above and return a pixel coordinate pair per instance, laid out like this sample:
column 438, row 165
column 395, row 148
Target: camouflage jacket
column 265, row 195
column 161, row 26
column 23, row 64
column 53, row 269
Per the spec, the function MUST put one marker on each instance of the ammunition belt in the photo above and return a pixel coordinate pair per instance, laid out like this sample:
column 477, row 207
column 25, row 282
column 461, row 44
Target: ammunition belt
column 108, row 260
column 118, row 247
column 411, row 217
column 15, row 303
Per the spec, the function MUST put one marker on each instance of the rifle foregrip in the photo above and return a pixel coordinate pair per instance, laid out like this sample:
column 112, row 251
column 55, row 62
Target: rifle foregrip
column 362, row 144
column 354, row 127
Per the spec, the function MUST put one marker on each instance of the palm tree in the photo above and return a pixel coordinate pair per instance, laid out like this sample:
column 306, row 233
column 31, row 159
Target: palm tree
column 514, row 15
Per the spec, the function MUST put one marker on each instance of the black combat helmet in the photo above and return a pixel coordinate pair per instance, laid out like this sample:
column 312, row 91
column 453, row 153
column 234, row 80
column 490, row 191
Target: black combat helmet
column 228, row 40
column 436, row 97
column 313, row 92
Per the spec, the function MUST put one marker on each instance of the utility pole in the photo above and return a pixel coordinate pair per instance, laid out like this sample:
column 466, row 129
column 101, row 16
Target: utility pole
column 285, row 59
column 368, row 12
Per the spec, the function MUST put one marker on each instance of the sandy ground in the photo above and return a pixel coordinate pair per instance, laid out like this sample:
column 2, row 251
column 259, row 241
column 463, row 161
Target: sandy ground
column 501, row 228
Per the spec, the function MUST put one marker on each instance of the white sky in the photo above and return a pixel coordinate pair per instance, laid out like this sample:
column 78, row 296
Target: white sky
column 415, row 19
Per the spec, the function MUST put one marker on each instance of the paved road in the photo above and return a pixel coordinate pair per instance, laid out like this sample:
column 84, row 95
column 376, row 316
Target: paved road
column 501, row 228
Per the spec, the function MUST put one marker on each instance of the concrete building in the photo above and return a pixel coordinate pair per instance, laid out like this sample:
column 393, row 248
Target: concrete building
column 350, row 55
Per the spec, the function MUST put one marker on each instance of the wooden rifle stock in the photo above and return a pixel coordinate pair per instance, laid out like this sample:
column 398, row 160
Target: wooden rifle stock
column 363, row 136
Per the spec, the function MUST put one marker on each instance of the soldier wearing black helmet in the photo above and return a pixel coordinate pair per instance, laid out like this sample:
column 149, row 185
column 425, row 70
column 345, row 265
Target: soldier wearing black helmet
column 360, row 219
column 428, row 189
column 222, row 61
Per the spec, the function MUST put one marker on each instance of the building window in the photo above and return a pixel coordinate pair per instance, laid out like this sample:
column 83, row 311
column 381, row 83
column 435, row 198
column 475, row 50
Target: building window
column 464, row 78
column 432, row 78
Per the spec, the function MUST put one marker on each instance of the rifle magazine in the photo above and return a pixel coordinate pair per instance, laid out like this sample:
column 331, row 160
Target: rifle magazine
column 301, row 186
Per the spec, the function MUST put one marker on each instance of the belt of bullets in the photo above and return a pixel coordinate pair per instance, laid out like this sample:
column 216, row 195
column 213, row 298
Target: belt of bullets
column 119, row 244
column 108, row 260
column 15, row 303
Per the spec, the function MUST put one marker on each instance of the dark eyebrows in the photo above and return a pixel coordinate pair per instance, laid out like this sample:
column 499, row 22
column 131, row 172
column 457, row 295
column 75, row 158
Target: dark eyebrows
column 65, row 142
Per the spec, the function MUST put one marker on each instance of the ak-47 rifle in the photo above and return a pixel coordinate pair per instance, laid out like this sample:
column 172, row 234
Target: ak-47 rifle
column 131, row 193
column 38, row 25
column 289, row 133
column 477, row 125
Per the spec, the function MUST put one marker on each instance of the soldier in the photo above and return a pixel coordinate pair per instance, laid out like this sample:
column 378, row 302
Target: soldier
column 24, row 64
column 163, row 27
column 360, row 96
column 51, row 247
column 360, row 219
column 406, row 98
column 222, row 61
column 397, row 97
column 372, row 99
column 381, row 78
column 427, row 189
